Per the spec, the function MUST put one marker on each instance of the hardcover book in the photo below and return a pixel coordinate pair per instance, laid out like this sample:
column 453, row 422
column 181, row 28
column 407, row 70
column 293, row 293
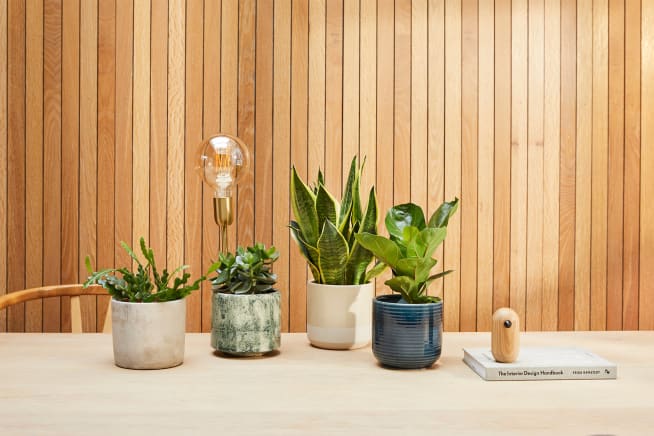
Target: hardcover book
column 541, row 364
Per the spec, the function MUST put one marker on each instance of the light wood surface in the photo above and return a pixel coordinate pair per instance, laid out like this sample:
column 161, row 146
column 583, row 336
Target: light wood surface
column 73, row 384
column 528, row 110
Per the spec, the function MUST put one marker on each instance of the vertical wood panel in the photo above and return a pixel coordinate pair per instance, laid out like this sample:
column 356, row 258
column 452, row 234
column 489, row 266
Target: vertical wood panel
column 436, row 120
column 52, row 33
column 632, row 166
column 646, row 295
column 599, row 167
column 452, row 245
column 124, row 124
column 159, row 130
column 402, row 104
column 535, row 182
column 246, row 67
column 519, row 146
column 567, row 171
column 469, row 150
column 191, row 228
column 3, row 158
column 70, row 158
column 176, row 117
column 583, row 162
column 351, row 83
column 89, row 168
column 419, row 102
column 385, row 116
column 33, row 171
column 551, row 164
column 485, row 178
column 502, row 198
column 210, row 126
column 317, row 40
column 140, row 132
column 334, row 96
column 616, row 176
column 16, row 160
column 368, row 92
column 299, row 134
column 106, row 153
column 281, row 146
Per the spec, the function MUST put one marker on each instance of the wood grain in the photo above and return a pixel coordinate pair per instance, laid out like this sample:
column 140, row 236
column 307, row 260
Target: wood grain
column 334, row 100
column 281, row 148
column 599, row 166
column 106, row 152
column 351, row 83
column 89, row 163
column 402, row 104
column 317, row 41
column 567, row 171
column 453, row 91
column 191, row 229
column 52, row 64
column 630, row 298
column 502, row 164
column 551, row 164
column 485, row 165
column 3, row 158
column 299, row 134
column 368, row 92
column 535, row 163
column 34, row 171
column 70, row 151
column 519, row 156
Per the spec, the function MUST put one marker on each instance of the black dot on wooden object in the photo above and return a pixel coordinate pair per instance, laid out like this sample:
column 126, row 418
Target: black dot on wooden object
column 507, row 324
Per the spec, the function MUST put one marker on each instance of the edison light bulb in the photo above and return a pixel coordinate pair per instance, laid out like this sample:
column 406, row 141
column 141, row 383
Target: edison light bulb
column 224, row 160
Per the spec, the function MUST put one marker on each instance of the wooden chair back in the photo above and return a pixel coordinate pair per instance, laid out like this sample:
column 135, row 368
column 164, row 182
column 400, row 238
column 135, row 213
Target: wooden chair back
column 72, row 291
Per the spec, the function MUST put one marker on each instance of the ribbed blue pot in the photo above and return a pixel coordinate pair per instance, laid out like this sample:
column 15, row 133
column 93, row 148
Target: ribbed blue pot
column 406, row 335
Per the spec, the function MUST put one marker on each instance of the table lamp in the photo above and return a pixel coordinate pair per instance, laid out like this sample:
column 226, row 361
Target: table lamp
column 224, row 160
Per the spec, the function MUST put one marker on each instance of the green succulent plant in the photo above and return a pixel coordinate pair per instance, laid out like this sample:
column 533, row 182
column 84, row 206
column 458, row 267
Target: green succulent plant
column 246, row 272
column 325, row 230
column 408, row 251
column 139, row 286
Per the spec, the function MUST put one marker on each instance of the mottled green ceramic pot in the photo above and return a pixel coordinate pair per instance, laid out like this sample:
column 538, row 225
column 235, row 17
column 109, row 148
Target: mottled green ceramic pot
column 246, row 325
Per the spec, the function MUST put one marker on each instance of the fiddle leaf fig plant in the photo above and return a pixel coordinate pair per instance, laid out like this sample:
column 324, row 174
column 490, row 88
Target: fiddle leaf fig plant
column 146, row 284
column 409, row 249
column 247, row 272
column 325, row 230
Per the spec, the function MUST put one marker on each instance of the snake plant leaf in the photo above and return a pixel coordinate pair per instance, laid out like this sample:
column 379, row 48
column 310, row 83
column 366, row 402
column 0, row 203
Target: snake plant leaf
column 326, row 207
column 303, row 202
column 310, row 253
column 333, row 255
column 401, row 216
column 360, row 257
column 441, row 217
column 430, row 238
column 351, row 201
column 383, row 249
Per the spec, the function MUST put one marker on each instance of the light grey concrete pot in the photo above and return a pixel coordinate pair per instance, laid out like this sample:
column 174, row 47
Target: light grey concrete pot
column 246, row 325
column 148, row 335
column 339, row 317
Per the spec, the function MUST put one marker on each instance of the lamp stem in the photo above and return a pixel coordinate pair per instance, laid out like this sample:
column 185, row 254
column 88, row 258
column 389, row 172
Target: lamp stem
column 223, row 242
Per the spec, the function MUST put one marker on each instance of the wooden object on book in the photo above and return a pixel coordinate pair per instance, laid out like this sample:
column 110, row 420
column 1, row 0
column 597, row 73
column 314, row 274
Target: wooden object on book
column 505, row 336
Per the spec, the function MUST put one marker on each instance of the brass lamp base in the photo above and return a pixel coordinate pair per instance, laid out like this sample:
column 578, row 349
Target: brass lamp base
column 222, row 214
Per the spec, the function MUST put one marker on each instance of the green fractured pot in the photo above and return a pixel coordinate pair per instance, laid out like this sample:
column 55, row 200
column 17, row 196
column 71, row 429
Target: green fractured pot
column 246, row 325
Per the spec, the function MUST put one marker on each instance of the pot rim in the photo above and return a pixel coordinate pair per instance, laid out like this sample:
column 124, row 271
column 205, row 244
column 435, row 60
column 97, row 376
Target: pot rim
column 313, row 282
column 139, row 303
column 379, row 299
column 259, row 295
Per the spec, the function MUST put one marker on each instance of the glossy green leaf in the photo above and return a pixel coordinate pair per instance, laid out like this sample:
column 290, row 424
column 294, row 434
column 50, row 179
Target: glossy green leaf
column 376, row 270
column 429, row 239
column 401, row 216
column 423, row 269
column 442, row 216
column 383, row 249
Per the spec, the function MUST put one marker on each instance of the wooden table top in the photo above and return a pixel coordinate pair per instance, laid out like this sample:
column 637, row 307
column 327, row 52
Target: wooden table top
column 68, row 384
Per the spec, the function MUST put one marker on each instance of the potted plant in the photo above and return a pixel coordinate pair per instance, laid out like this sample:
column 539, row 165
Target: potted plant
column 148, row 312
column 339, row 297
column 246, row 315
column 407, row 327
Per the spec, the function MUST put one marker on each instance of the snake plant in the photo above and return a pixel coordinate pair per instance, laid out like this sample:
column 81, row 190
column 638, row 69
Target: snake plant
column 410, row 247
column 325, row 230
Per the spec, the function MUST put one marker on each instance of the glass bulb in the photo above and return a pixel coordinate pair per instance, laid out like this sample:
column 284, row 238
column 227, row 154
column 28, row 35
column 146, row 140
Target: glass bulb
column 224, row 161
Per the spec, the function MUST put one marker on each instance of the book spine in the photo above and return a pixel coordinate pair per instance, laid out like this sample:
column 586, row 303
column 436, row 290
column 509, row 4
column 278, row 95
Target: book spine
column 573, row 373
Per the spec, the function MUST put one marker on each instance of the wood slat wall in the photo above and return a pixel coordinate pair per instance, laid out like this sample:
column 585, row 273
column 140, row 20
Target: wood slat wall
column 538, row 114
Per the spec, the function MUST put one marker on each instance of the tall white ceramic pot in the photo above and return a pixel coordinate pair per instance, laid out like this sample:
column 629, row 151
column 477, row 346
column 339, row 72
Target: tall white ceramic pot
column 339, row 317
column 148, row 335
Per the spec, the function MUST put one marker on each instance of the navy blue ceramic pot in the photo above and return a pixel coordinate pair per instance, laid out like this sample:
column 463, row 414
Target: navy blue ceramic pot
column 406, row 335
